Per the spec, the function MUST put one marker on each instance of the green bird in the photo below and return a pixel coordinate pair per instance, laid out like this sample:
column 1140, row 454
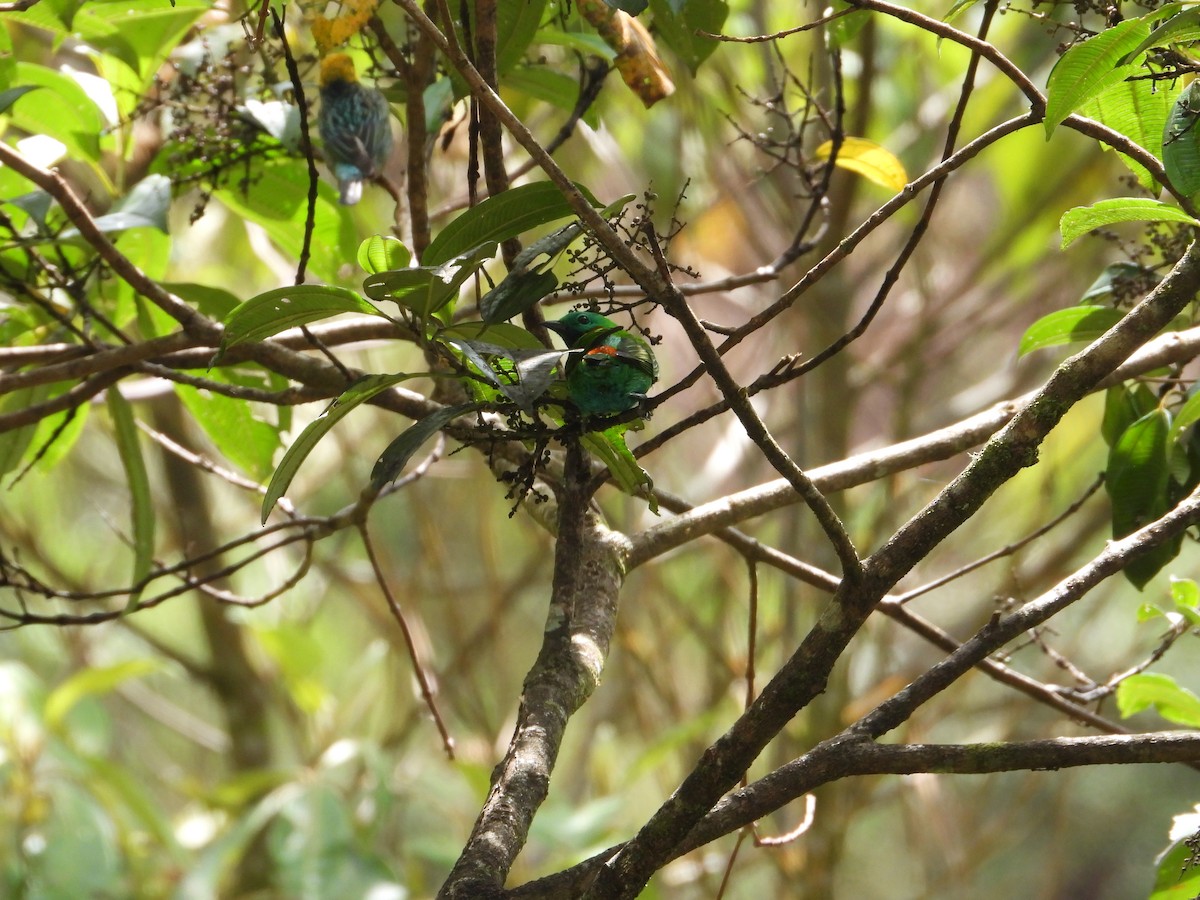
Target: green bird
column 615, row 369
column 355, row 127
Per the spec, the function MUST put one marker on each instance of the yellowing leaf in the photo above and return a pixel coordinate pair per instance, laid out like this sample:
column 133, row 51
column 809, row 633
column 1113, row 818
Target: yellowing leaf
column 868, row 159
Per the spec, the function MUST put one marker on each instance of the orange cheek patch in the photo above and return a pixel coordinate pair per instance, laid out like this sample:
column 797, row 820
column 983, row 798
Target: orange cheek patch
column 603, row 351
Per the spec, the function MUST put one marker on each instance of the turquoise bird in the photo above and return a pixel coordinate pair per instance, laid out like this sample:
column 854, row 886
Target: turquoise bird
column 615, row 369
column 355, row 127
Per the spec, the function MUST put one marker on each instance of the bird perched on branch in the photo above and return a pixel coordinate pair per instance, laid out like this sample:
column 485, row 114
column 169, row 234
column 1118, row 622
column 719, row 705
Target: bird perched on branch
column 355, row 127
column 615, row 368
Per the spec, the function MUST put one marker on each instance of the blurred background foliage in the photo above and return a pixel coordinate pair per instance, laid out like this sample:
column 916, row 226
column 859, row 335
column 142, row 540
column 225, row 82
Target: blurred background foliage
column 127, row 765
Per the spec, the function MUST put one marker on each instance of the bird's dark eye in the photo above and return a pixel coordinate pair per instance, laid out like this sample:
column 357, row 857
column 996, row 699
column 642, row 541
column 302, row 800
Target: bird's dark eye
column 581, row 319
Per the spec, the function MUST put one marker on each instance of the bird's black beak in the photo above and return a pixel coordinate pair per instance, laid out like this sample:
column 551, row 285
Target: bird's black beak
column 557, row 327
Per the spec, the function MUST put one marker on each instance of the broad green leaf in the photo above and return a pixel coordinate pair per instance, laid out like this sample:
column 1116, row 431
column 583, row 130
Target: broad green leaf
column 678, row 24
column 141, row 502
column 1137, row 109
column 242, row 438
column 1181, row 142
column 277, row 199
column 1174, row 703
column 1077, row 324
column 146, row 206
column 1090, row 68
column 14, row 442
column 63, row 111
column 357, row 394
column 501, row 217
column 1123, row 406
column 1186, row 416
column 1117, row 280
column 426, row 289
column 1080, row 220
column 866, row 158
column 383, row 253
column 516, row 24
column 91, row 682
column 1136, row 479
column 549, row 86
column 504, row 334
column 139, row 34
column 399, row 451
column 1185, row 593
column 279, row 309
column 1176, row 30
column 609, row 445
column 216, row 303
column 529, row 281
column 12, row 95
column 585, row 42
column 1176, row 878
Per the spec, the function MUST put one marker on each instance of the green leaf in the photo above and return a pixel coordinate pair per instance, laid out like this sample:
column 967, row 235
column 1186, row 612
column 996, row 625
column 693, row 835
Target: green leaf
column 1139, row 110
column 1115, row 281
column 139, row 34
column 610, row 447
column 357, row 394
column 91, row 682
column 12, row 95
column 63, row 111
column 279, row 309
column 399, row 451
column 1136, row 479
column 1185, row 593
column 216, row 303
column 550, row 87
column 383, row 253
column 1176, row 878
column 1178, row 29
column 426, row 289
column 1174, row 703
column 1076, row 324
column 142, row 505
column 15, row 442
column 242, row 438
column 529, row 281
column 1090, row 68
column 146, row 206
column 585, row 42
column 516, row 24
column 1122, row 407
column 678, row 23
column 501, row 217
column 504, row 335
column 277, row 199
column 1186, row 416
column 1181, row 141
column 1079, row 221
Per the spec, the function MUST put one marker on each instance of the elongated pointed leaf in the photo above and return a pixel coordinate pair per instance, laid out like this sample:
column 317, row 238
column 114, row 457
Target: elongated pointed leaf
column 1137, row 109
column 610, row 447
column 1078, row 324
column 90, row 682
column 358, row 393
column 12, row 95
column 426, row 289
column 1177, row 29
column 1090, row 68
column 288, row 307
column 400, row 451
column 501, row 217
column 1079, row 221
column 1181, row 141
column 1185, row 417
column 1136, row 479
column 141, row 505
